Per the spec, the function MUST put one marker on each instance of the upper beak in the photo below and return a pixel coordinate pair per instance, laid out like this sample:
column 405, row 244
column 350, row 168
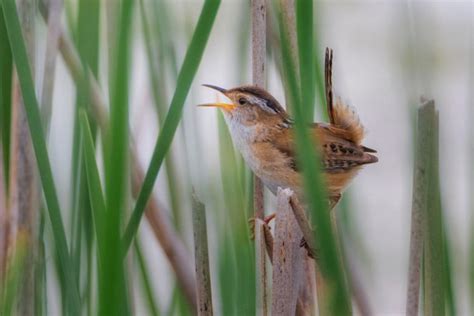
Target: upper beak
column 225, row 106
column 221, row 90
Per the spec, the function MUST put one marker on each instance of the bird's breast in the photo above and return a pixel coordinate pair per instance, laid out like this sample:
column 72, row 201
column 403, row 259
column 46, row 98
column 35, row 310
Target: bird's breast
column 268, row 163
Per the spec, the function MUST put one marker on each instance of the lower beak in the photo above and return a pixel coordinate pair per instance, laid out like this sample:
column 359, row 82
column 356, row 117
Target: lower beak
column 225, row 106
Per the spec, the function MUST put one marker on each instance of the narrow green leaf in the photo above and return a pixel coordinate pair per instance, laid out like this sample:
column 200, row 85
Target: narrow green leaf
column 87, row 31
column 114, row 300
column 185, row 78
column 93, row 180
column 31, row 105
column 6, row 69
column 315, row 191
column 96, row 197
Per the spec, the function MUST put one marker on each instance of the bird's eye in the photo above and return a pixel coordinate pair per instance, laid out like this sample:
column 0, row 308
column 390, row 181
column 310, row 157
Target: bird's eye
column 242, row 101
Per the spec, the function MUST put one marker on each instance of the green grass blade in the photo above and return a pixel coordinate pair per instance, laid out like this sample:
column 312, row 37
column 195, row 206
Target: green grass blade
column 96, row 197
column 6, row 69
column 34, row 121
column 114, row 300
column 185, row 78
column 93, row 180
column 87, row 31
column 304, row 24
column 315, row 191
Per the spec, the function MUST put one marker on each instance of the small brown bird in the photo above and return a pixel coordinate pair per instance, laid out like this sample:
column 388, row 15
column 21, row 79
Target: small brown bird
column 264, row 134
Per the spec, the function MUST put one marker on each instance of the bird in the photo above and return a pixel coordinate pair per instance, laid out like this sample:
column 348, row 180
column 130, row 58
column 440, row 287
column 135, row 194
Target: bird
column 263, row 132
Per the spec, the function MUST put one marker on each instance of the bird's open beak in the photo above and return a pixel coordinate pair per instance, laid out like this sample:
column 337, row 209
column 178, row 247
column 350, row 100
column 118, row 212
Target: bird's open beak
column 225, row 106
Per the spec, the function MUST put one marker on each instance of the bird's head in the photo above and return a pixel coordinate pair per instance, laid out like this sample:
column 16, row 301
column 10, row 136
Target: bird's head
column 248, row 104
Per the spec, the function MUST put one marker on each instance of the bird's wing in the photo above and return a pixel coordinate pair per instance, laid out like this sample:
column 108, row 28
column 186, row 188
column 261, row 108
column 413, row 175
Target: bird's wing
column 337, row 153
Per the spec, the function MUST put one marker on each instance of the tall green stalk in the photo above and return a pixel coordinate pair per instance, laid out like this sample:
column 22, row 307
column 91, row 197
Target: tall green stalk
column 114, row 299
column 309, row 160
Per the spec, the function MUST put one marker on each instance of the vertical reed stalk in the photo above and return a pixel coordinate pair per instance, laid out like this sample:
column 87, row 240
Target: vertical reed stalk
column 201, row 256
column 434, row 268
column 259, row 48
column 259, row 20
column 426, row 230
column 288, row 258
column 262, row 243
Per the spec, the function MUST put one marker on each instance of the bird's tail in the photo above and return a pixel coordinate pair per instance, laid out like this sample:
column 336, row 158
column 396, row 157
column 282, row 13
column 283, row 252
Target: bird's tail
column 341, row 115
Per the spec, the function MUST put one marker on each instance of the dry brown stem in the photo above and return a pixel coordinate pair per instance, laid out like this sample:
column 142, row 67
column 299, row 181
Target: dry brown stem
column 201, row 255
column 288, row 258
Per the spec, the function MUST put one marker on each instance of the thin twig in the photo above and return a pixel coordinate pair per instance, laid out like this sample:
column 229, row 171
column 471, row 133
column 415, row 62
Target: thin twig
column 201, row 255
column 304, row 224
column 261, row 266
column 259, row 17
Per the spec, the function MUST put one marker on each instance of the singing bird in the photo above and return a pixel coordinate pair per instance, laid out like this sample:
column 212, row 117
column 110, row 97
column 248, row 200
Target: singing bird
column 264, row 134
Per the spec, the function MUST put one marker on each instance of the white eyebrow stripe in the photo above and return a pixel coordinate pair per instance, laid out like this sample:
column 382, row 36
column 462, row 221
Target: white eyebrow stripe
column 262, row 104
